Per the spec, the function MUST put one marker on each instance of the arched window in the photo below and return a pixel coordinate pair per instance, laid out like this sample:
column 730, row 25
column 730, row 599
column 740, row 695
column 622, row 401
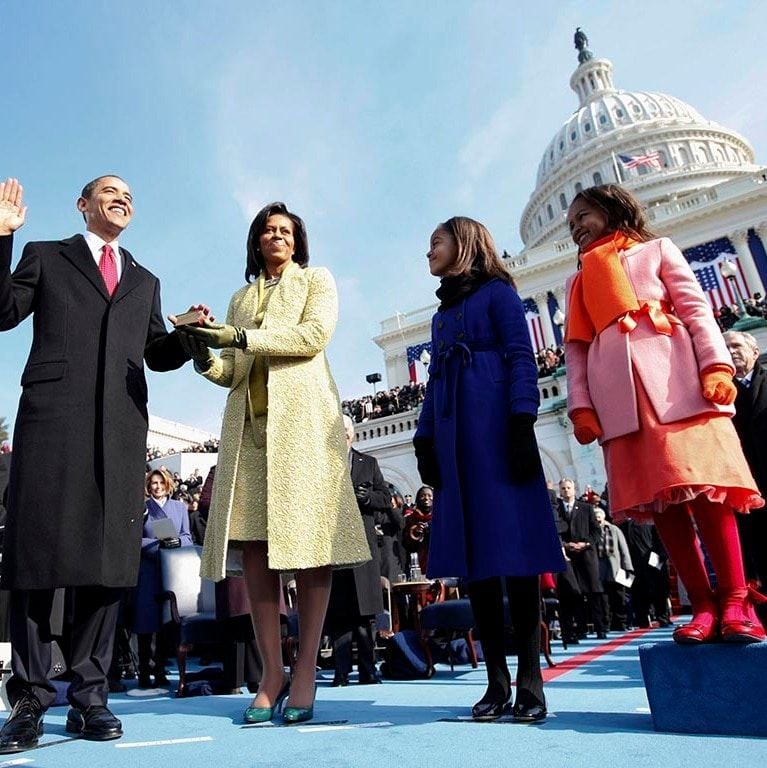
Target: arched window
column 684, row 156
column 578, row 187
column 550, row 211
column 555, row 391
column 545, row 393
column 563, row 201
column 597, row 178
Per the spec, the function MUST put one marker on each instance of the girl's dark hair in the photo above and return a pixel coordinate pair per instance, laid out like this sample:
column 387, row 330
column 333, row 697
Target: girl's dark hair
column 477, row 255
column 255, row 263
column 624, row 212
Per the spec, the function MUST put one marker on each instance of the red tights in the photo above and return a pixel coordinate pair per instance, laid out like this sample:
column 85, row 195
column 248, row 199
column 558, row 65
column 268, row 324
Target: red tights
column 718, row 531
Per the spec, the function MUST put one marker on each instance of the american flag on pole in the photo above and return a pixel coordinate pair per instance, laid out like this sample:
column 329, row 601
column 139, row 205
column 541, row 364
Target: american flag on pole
column 634, row 161
column 706, row 262
column 534, row 324
column 414, row 359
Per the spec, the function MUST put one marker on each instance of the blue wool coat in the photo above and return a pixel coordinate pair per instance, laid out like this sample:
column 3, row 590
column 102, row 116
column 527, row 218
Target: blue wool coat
column 482, row 371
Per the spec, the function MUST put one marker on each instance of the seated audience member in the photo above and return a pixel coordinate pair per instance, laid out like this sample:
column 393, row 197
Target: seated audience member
column 147, row 611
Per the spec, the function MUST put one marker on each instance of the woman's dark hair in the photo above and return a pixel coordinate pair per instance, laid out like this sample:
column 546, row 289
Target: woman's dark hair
column 624, row 212
column 255, row 263
column 477, row 255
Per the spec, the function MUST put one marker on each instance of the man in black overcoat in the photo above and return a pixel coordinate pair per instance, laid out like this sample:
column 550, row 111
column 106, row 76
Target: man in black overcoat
column 355, row 595
column 750, row 423
column 81, row 425
column 578, row 586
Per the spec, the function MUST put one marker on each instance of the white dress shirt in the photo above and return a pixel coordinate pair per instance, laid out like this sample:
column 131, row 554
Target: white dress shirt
column 95, row 243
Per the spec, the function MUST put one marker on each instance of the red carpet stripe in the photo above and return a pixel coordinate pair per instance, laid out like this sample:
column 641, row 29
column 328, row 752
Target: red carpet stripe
column 568, row 665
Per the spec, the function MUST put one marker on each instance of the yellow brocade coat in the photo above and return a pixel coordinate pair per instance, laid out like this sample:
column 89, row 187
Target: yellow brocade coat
column 312, row 513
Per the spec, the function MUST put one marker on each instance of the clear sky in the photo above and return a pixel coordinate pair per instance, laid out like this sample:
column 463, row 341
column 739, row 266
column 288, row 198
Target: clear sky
column 373, row 120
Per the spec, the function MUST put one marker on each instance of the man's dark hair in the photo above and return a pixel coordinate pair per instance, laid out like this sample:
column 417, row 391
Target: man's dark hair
column 91, row 185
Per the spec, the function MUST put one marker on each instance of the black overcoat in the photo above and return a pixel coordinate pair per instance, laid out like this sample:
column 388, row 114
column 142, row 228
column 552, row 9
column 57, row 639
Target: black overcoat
column 75, row 497
column 583, row 567
column 366, row 577
column 750, row 422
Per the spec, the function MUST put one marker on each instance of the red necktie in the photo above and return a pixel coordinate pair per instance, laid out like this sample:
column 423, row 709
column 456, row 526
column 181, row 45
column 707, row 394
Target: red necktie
column 108, row 268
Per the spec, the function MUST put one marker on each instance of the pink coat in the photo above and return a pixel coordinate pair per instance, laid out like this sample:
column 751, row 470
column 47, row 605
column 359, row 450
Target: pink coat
column 600, row 375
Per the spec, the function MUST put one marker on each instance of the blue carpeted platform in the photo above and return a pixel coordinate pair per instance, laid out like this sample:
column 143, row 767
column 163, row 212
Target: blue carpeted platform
column 715, row 688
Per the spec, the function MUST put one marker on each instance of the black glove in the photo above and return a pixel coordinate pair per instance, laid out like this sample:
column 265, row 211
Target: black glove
column 426, row 458
column 172, row 542
column 523, row 449
column 362, row 492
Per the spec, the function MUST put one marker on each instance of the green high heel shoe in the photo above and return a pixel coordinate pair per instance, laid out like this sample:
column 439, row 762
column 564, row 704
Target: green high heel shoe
column 264, row 714
column 299, row 714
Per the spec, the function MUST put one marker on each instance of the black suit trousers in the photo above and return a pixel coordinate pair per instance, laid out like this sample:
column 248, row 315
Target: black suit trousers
column 94, row 613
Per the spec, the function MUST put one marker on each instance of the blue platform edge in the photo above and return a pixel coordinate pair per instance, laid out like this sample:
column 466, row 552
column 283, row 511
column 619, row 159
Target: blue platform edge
column 714, row 688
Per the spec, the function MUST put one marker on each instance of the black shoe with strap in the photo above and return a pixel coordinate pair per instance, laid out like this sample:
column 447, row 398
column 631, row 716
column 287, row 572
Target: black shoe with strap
column 23, row 727
column 95, row 723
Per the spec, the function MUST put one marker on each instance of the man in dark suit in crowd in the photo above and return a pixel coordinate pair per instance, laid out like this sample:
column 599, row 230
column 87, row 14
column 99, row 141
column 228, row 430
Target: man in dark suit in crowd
column 355, row 595
column 579, row 586
column 750, row 422
column 82, row 425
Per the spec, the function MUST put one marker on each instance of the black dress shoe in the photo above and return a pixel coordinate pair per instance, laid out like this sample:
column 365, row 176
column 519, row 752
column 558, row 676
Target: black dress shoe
column 531, row 714
column 340, row 681
column 144, row 680
column 161, row 681
column 96, row 723
column 601, row 635
column 23, row 727
column 492, row 706
column 370, row 680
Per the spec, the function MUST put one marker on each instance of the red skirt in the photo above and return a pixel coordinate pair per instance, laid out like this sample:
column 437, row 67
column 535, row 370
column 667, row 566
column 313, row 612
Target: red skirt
column 665, row 464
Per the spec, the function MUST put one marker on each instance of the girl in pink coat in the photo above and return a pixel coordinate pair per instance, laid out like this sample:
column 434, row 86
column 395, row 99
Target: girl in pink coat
column 649, row 375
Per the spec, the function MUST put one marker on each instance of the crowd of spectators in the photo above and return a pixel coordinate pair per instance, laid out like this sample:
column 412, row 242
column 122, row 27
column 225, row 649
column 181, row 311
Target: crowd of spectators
column 549, row 359
column 385, row 403
column 727, row 315
column 209, row 446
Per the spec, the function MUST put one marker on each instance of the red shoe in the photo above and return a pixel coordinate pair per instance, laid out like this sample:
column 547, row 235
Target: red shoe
column 704, row 627
column 740, row 623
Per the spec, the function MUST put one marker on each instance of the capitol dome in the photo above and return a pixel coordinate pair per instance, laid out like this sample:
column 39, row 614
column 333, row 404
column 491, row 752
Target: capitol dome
column 689, row 151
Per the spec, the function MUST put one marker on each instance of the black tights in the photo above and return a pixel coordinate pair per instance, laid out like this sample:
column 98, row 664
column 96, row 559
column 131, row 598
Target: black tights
column 489, row 615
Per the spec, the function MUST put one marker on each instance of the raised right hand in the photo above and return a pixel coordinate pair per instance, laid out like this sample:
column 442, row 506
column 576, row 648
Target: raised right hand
column 12, row 211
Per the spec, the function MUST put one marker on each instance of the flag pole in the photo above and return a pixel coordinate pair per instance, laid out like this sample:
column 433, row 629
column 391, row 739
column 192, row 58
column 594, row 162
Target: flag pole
column 615, row 168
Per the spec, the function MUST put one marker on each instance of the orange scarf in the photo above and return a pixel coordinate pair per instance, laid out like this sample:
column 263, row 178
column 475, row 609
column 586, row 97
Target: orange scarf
column 601, row 291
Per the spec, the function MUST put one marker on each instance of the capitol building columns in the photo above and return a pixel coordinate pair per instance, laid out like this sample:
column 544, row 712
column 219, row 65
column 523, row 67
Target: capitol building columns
column 739, row 239
column 699, row 181
column 541, row 300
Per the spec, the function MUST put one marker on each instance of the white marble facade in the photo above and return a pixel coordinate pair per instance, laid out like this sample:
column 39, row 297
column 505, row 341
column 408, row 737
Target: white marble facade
column 705, row 186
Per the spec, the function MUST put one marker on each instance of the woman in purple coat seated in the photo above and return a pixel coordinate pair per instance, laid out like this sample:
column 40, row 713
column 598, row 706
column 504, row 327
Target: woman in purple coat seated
column 475, row 445
column 147, row 612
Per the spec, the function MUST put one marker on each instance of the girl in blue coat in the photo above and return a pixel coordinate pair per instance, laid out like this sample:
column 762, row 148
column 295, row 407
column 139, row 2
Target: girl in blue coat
column 492, row 518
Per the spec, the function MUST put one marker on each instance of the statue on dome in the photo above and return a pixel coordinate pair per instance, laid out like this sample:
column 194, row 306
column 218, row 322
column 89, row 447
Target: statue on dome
column 582, row 44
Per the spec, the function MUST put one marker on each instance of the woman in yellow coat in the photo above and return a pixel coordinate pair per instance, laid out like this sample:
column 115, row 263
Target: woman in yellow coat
column 282, row 496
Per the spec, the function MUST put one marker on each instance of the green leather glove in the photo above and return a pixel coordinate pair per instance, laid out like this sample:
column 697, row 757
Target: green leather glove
column 218, row 335
column 195, row 348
